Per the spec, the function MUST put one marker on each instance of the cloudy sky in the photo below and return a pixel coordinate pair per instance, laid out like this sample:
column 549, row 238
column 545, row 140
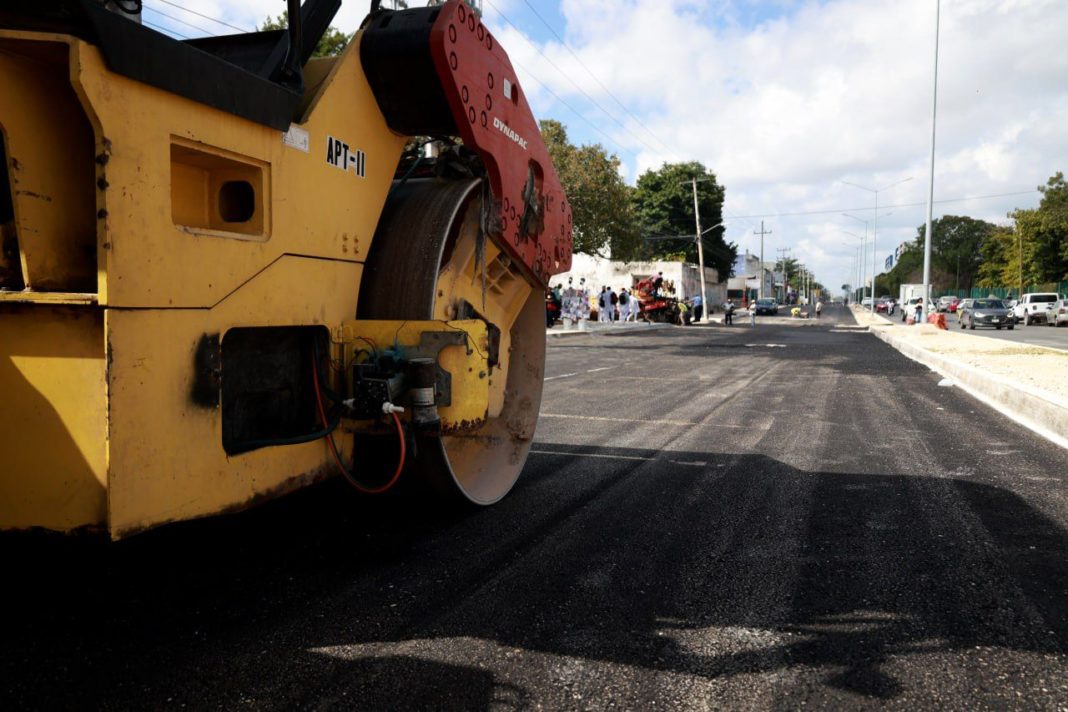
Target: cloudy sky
column 787, row 100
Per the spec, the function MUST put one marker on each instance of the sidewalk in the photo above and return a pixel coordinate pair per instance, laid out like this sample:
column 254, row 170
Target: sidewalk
column 595, row 327
column 1023, row 381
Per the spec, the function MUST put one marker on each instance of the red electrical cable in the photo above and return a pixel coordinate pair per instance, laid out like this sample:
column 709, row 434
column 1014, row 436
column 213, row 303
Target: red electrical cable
column 333, row 447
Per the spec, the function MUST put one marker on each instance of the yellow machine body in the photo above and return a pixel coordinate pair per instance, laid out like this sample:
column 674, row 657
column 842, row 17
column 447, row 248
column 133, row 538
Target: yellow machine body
column 176, row 223
column 222, row 276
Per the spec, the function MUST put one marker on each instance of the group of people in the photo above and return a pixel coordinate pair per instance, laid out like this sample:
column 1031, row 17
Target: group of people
column 729, row 307
column 577, row 303
column 617, row 306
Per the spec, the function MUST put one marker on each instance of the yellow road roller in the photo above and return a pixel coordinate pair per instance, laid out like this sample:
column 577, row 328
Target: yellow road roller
column 230, row 269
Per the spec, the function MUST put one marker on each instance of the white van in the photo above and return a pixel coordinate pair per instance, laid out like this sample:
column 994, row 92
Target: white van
column 1035, row 306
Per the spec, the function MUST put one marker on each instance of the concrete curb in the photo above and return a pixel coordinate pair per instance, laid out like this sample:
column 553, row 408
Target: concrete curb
column 607, row 330
column 1042, row 413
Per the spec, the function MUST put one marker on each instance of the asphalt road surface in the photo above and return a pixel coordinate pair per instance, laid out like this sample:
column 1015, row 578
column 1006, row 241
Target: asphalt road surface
column 781, row 517
column 1037, row 334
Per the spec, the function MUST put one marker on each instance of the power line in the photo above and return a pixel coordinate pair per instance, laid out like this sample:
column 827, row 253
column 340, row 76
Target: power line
column 899, row 205
column 206, row 17
column 594, row 77
column 165, row 30
column 575, row 111
column 178, row 19
column 719, row 248
column 574, row 84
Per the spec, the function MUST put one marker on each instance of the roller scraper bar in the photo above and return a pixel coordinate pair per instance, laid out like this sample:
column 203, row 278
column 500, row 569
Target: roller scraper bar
column 438, row 71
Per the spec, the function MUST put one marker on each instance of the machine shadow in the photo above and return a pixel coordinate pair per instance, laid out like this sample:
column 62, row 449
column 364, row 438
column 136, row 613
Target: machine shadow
column 651, row 552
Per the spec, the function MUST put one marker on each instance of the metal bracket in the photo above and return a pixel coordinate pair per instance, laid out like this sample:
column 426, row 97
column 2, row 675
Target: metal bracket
column 430, row 345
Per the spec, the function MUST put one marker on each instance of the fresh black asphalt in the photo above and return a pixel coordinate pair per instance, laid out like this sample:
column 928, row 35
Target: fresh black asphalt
column 781, row 517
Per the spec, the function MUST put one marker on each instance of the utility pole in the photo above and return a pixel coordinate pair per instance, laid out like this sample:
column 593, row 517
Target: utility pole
column 783, row 254
column 700, row 251
column 762, row 233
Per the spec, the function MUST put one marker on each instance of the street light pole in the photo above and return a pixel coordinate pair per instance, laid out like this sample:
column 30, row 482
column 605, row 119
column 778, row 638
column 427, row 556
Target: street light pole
column 783, row 252
column 930, row 183
column 865, row 238
column 875, row 231
column 762, row 233
column 861, row 262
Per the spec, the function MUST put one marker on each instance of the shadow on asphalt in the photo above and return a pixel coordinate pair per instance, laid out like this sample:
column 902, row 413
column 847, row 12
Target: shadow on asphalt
column 636, row 565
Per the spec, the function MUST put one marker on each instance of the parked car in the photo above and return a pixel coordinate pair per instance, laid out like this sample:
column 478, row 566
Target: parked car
column 1058, row 316
column 944, row 303
column 882, row 306
column 1034, row 306
column 986, row 312
column 865, row 302
column 767, row 306
column 954, row 304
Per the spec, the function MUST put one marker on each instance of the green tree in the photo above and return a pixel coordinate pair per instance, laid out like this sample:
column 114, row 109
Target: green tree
column 956, row 250
column 999, row 259
column 331, row 43
column 1041, row 237
column 1035, row 249
column 601, row 208
column 1048, row 229
column 664, row 202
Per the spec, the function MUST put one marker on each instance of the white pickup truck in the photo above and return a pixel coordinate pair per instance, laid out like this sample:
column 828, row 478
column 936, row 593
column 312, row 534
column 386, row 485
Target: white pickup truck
column 1035, row 306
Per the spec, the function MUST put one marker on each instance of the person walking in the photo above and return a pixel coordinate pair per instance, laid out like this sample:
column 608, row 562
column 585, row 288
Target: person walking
column 919, row 311
column 613, row 304
column 698, row 307
column 752, row 313
column 602, row 305
column 624, row 304
column 819, row 307
column 728, row 313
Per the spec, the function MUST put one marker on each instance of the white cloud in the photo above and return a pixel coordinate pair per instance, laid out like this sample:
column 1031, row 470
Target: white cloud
column 821, row 92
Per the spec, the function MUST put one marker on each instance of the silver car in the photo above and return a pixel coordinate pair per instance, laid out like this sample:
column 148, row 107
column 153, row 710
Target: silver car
column 1058, row 316
column 943, row 303
column 986, row 312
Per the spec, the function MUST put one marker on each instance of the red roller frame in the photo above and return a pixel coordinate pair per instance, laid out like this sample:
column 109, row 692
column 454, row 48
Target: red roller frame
column 495, row 120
